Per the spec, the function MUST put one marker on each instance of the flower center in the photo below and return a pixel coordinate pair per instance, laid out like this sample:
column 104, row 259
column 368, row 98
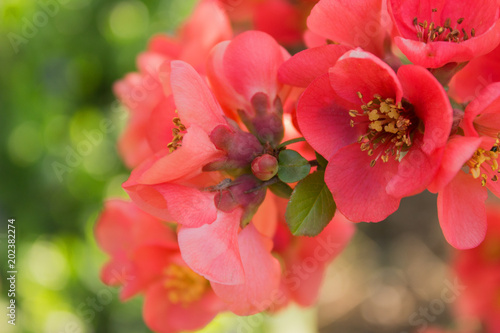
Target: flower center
column 389, row 127
column 483, row 159
column 177, row 133
column 431, row 32
column 183, row 285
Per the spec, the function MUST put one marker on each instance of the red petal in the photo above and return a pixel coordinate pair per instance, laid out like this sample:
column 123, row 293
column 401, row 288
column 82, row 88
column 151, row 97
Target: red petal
column 359, row 71
column 457, row 152
column 462, row 212
column 324, row 123
column 164, row 317
column 358, row 189
column 301, row 69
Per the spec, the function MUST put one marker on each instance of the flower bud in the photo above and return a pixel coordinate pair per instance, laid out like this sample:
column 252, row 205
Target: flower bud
column 265, row 167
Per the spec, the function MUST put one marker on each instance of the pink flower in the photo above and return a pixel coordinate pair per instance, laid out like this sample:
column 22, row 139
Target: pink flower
column 145, row 258
column 478, row 270
column 357, row 23
column 187, row 183
column 433, row 34
column 246, row 83
column 382, row 133
column 479, row 73
column 143, row 94
column 461, row 196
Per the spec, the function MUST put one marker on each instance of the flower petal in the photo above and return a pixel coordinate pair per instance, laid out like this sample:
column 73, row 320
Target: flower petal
column 212, row 250
column 324, row 123
column 195, row 102
column 431, row 105
column 360, row 71
column 262, row 275
column 358, row 189
column 162, row 316
column 305, row 66
column 462, row 212
column 356, row 23
column 247, row 70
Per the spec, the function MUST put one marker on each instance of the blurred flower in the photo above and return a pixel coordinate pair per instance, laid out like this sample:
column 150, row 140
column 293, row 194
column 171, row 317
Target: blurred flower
column 362, row 24
column 142, row 92
column 145, row 258
column 479, row 271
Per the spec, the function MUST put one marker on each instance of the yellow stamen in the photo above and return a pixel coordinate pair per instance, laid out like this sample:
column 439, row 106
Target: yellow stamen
column 183, row 285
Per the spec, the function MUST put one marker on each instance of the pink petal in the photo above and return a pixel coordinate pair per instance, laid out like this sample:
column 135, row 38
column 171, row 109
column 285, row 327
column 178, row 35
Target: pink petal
column 196, row 151
column 358, row 189
column 458, row 151
column 479, row 73
column 195, row 102
column 486, row 105
column 324, row 123
column 185, row 205
column 160, row 125
column 301, row 69
column 212, row 250
column 461, row 211
column 262, row 275
column 165, row 45
column 359, row 71
column 356, row 23
column 251, row 63
column 164, row 317
column 228, row 98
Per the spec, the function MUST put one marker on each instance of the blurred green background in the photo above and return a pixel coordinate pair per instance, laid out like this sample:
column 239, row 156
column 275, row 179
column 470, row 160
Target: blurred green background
column 58, row 62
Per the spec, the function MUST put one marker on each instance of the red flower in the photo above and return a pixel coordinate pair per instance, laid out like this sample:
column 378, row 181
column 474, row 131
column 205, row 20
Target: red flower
column 433, row 34
column 382, row 134
column 145, row 258
column 461, row 197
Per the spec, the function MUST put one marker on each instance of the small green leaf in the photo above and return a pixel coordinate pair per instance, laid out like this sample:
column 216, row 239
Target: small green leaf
column 311, row 206
column 281, row 190
column 292, row 167
column 321, row 161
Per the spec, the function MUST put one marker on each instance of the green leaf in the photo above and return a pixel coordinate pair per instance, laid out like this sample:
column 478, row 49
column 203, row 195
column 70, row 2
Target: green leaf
column 321, row 161
column 292, row 167
column 311, row 206
column 281, row 190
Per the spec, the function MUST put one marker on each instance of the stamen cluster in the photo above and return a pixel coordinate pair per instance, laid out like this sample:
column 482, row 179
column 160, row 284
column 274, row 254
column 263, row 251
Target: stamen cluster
column 389, row 127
